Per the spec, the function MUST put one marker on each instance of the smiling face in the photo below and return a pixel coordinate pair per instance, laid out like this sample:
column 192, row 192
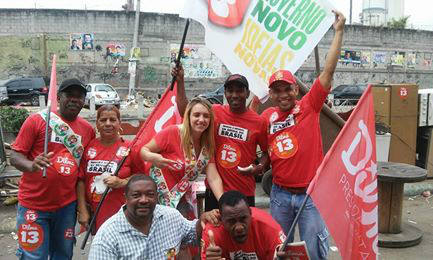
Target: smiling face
column 71, row 101
column 199, row 118
column 141, row 199
column 108, row 125
column 237, row 220
column 284, row 94
column 236, row 95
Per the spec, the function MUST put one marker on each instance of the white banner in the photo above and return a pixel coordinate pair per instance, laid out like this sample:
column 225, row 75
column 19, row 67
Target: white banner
column 258, row 37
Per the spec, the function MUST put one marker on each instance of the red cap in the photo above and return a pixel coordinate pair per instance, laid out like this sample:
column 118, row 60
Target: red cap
column 282, row 75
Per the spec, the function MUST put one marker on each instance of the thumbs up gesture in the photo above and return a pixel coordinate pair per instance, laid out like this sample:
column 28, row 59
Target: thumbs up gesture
column 213, row 252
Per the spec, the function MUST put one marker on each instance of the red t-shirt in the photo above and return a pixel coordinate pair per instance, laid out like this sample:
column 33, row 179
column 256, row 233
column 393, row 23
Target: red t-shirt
column 294, row 139
column 58, row 188
column 264, row 236
column 96, row 158
column 236, row 138
column 169, row 142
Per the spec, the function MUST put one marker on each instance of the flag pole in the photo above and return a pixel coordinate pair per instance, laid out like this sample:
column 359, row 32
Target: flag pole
column 179, row 55
column 292, row 227
column 47, row 126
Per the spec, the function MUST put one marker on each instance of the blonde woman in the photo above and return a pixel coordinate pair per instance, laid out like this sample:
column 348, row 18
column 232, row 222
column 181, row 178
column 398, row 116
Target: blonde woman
column 180, row 153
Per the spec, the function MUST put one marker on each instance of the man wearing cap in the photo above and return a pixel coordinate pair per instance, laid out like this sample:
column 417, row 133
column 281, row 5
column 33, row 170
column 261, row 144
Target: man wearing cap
column 238, row 131
column 47, row 206
column 295, row 147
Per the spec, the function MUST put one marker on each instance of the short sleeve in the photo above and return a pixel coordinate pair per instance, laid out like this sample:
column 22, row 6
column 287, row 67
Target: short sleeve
column 263, row 140
column 165, row 137
column 189, row 231
column 27, row 135
column 103, row 247
column 316, row 96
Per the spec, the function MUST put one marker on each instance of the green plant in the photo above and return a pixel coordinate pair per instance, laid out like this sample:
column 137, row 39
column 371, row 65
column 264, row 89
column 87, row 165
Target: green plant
column 12, row 118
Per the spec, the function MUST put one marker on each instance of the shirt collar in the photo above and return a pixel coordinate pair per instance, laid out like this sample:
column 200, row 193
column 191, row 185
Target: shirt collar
column 125, row 226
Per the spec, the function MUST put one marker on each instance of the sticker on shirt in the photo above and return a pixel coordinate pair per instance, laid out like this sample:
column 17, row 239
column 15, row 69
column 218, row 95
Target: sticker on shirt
column 233, row 132
column 285, row 145
column 171, row 254
column 30, row 236
column 101, row 166
column 229, row 155
column 243, row 255
column 31, row 216
column 278, row 126
column 65, row 164
column 69, row 233
column 122, row 151
column 91, row 153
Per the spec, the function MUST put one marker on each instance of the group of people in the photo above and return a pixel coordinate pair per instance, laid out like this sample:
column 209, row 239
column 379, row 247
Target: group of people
column 152, row 214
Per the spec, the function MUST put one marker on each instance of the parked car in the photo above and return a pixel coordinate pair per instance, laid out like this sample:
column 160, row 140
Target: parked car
column 347, row 94
column 25, row 90
column 3, row 92
column 103, row 93
column 216, row 96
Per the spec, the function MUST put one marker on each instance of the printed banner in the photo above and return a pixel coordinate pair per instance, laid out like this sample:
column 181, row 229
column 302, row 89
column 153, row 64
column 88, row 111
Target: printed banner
column 256, row 37
column 347, row 180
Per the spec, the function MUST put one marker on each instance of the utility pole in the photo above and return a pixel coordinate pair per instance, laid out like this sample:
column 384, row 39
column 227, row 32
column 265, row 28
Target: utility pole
column 350, row 15
column 132, row 61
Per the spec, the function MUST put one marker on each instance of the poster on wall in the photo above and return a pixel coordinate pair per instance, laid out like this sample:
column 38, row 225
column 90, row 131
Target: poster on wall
column 365, row 58
column 379, row 59
column 348, row 57
column 427, row 59
column 411, row 60
column 398, row 58
column 198, row 61
column 88, row 41
column 115, row 50
column 76, row 41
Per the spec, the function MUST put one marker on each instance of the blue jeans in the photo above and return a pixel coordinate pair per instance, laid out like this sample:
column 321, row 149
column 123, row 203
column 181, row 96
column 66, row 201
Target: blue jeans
column 46, row 233
column 312, row 229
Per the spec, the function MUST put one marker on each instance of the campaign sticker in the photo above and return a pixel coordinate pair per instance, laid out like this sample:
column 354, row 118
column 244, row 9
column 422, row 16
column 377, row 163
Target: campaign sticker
column 285, row 145
column 91, row 153
column 31, row 216
column 65, row 164
column 403, row 93
column 229, row 155
column 30, row 236
column 69, row 233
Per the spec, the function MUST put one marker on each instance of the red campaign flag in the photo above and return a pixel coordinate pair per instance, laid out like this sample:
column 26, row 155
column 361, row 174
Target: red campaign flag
column 164, row 114
column 345, row 187
column 227, row 13
column 52, row 92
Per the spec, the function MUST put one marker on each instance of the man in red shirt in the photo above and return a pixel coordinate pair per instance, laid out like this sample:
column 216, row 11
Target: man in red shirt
column 47, row 206
column 238, row 132
column 246, row 232
column 295, row 147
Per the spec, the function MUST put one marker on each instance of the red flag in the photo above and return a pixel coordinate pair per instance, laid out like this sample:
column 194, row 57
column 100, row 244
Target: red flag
column 345, row 187
column 52, row 92
column 164, row 114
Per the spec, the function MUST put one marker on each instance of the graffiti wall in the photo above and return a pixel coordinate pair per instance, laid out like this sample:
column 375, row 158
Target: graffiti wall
column 198, row 61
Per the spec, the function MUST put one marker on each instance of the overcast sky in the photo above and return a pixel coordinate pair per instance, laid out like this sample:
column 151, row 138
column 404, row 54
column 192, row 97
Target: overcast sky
column 419, row 10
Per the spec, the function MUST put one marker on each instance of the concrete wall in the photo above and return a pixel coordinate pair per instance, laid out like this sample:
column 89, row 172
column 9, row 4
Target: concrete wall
column 28, row 39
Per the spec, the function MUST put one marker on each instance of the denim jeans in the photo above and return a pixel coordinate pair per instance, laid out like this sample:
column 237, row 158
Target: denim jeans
column 42, row 233
column 312, row 229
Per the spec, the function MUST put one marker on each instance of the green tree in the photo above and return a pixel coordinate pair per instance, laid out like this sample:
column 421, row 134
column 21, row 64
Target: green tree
column 399, row 23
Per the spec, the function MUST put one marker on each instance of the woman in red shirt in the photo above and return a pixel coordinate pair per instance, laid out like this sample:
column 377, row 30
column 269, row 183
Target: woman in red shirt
column 179, row 153
column 100, row 161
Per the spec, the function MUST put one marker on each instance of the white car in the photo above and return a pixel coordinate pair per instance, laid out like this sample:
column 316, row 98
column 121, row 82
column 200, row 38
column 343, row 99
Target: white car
column 103, row 93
